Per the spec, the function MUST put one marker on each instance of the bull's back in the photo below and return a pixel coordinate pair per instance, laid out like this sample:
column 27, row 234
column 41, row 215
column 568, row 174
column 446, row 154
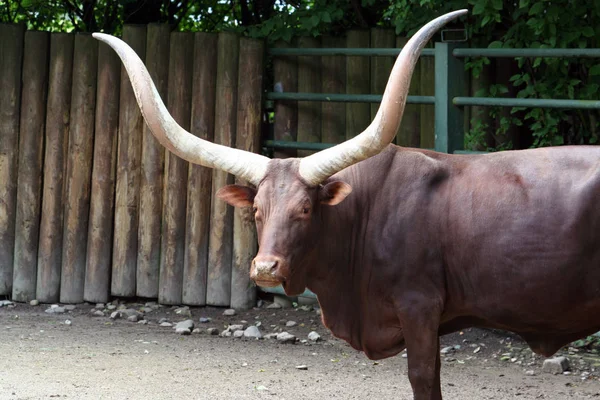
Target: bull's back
column 523, row 233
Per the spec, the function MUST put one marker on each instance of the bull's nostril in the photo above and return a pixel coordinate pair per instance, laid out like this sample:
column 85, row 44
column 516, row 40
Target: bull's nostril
column 265, row 267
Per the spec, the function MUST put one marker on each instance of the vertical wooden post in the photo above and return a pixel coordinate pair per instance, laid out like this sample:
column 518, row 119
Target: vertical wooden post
column 333, row 75
column 152, row 170
column 99, row 245
column 57, row 134
column 380, row 66
column 129, row 148
column 309, row 81
column 79, row 169
column 358, row 115
column 285, row 76
column 176, row 171
column 409, row 133
column 221, row 229
column 249, row 105
column 29, row 176
column 11, row 56
column 427, row 88
column 195, row 263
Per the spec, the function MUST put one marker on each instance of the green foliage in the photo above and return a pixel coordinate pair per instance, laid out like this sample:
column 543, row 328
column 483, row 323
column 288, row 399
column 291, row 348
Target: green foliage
column 526, row 24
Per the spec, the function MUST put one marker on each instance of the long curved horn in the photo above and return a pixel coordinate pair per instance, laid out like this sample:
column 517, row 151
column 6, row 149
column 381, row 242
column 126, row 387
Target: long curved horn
column 379, row 134
column 248, row 166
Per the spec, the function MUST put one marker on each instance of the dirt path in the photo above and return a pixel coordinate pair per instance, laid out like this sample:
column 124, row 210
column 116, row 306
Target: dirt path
column 98, row 358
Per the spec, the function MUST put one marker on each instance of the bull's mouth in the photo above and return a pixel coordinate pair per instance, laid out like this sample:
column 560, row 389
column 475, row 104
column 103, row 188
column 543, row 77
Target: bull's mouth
column 267, row 283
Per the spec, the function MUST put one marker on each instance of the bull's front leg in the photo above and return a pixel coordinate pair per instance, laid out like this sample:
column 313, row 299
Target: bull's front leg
column 423, row 347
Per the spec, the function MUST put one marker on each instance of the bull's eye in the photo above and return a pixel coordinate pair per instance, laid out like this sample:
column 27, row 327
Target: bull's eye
column 254, row 210
column 305, row 210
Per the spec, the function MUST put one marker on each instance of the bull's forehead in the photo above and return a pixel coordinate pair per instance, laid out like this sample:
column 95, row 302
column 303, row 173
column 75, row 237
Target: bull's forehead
column 282, row 180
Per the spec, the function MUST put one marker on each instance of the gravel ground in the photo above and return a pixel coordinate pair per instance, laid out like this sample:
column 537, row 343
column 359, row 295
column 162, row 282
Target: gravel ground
column 96, row 357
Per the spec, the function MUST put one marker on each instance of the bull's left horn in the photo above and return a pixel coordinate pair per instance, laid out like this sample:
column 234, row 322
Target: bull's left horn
column 380, row 133
column 248, row 166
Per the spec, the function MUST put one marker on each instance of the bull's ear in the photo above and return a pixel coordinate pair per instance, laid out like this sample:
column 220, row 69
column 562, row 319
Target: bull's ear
column 237, row 195
column 334, row 193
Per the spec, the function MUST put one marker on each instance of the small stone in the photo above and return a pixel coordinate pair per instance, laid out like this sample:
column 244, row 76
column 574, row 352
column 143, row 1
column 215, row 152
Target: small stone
column 283, row 301
column 252, row 332
column 34, row 303
column 5, row 303
column 115, row 315
column 99, row 306
column 238, row 334
column 212, row 331
column 404, row 355
column 68, row 322
column 128, row 312
column 160, row 321
column 477, row 350
column 314, row 336
column 530, row 372
column 111, row 307
column 55, row 310
column 234, row 328
column 270, row 336
column 289, row 324
column 187, row 324
column 556, row 365
column 274, row 305
column 261, row 388
column 259, row 303
column 204, row 320
column 229, row 312
column 446, row 350
column 302, row 367
column 182, row 331
column 226, row 333
column 319, row 311
column 146, row 309
column 197, row 330
column 98, row 313
column 166, row 324
column 133, row 318
column 143, row 322
column 70, row 307
column 183, row 311
column 285, row 337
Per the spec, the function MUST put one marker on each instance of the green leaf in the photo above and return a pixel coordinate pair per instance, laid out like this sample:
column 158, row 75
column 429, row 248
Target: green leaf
column 497, row 4
column 595, row 70
column 325, row 17
column 495, row 45
column 315, row 20
column 479, row 8
column 524, row 4
column 588, row 31
column 537, row 8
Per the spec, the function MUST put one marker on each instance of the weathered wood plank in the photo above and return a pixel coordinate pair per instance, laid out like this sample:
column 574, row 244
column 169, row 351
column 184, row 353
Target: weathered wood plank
column 195, row 263
column 79, row 169
column 176, row 171
column 100, row 232
column 11, row 57
column 358, row 115
column 221, row 222
column 129, row 149
column 409, row 134
column 57, row 134
column 152, row 171
column 333, row 80
column 249, row 107
column 380, row 66
column 29, row 176
column 285, row 76
column 309, row 81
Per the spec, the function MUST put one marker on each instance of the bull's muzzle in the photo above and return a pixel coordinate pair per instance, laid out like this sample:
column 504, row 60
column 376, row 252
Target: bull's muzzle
column 264, row 271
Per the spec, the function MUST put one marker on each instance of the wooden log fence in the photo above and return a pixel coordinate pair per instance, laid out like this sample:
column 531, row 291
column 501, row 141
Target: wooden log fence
column 92, row 207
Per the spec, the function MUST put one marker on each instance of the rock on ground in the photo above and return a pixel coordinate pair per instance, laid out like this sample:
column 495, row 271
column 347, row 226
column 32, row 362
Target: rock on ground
column 252, row 332
column 285, row 337
column 187, row 324
column 556, row 365
column 314, row 336
column 229, row 312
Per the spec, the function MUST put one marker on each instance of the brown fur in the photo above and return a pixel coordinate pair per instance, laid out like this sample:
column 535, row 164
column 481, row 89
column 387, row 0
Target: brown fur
column 429, row 243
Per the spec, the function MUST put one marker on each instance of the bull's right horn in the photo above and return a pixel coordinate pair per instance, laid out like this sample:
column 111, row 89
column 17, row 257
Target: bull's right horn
column 248, row 166
column 379, row 134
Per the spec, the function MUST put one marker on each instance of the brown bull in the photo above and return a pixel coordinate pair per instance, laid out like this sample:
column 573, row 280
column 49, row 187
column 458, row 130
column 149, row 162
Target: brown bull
column 404, row 245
